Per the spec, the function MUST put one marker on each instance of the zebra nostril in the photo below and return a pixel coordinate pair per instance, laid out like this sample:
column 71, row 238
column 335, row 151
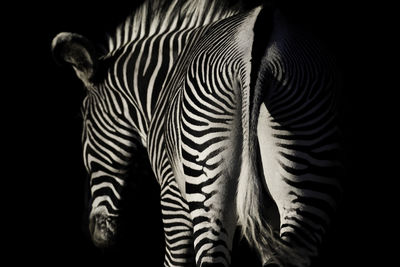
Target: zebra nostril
column 271, row 263
column 102, row 230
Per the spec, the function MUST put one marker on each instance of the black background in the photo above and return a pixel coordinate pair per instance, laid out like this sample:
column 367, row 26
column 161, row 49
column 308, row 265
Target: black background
column 44, row 180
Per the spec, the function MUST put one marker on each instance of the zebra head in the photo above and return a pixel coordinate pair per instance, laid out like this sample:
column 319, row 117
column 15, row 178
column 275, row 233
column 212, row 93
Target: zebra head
column 108, row 140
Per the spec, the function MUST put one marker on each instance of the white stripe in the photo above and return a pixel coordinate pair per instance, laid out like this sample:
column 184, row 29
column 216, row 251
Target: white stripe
column 153, row 77
column 100, row 199
column 96, row 187
column 98, row 174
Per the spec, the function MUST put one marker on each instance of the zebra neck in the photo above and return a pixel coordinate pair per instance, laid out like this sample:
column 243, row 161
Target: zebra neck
column 139, row 70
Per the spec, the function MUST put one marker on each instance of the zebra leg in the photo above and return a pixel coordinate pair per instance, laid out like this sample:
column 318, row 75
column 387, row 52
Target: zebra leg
column 212, row 209
column 301, row 182
column 211, row 168
column 206, row 165
column 178, row 228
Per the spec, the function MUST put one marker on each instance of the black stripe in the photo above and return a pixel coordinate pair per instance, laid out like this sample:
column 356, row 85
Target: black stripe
column 317, row 233
column 304, row 235
column 203, row 146
column 108, row 207
column 197, row 188
column 200, row 219
column 201, row 133
column 214, row 243
column 106, row 178
column 328, row 189
column 173, row 216
column 314, row 202
column 191, row 120
column 295, row 240
column 312, row 217
column 105, row 191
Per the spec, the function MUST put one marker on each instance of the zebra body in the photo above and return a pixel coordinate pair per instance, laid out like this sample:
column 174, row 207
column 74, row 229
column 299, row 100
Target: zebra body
column 188, row 90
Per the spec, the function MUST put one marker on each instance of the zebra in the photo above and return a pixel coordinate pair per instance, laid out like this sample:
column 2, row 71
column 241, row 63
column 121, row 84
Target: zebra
column 235, row 108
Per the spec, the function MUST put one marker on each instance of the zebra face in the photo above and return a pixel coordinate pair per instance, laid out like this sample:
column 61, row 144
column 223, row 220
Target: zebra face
column 107, row 141
column 106, row 163
column 102, row 227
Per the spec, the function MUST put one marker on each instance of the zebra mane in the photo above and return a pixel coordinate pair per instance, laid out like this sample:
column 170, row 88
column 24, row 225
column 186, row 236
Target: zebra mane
column 161, row 16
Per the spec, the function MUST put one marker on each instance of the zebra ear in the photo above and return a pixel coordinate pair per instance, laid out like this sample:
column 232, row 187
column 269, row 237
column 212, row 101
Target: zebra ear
column 77, row 51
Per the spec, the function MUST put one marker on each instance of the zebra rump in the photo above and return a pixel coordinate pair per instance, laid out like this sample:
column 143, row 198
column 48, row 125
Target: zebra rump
column 281, row 156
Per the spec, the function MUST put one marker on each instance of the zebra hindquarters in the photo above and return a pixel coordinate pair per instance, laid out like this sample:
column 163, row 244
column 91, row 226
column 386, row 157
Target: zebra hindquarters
column 298, row 138
column 301, row 180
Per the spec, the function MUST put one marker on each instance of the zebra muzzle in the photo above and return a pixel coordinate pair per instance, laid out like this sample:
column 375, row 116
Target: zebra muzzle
column 102, row 230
